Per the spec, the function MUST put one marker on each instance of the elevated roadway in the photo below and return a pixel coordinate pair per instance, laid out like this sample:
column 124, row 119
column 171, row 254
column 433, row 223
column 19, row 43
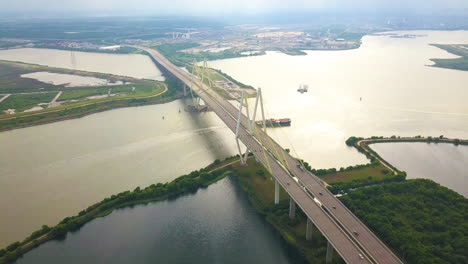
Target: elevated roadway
column 344, row 231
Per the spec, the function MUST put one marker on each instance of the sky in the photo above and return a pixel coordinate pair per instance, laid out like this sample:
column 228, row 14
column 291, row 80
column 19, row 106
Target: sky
column 218, row 6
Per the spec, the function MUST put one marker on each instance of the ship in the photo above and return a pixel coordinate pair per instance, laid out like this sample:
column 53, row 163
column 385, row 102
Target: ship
column 303, row 88
column 282, row 122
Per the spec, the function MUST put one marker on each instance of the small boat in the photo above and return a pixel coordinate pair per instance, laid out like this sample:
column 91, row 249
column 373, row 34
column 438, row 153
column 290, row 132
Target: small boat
column 282, row 122
column 303, row 88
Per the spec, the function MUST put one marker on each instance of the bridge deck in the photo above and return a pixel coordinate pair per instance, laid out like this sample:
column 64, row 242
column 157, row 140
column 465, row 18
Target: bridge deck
column 335, row 222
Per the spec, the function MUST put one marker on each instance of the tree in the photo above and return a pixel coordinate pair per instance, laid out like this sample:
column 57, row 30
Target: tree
column 260, row 173
column 13, row 246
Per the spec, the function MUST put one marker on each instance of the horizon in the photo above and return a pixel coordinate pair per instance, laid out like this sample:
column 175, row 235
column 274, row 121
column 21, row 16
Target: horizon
column 213, row 8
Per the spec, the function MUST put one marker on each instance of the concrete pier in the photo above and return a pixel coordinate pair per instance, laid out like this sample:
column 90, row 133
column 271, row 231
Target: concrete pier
column 292, row 209
column 277, row 189
column 309, row 229
column 329, row 256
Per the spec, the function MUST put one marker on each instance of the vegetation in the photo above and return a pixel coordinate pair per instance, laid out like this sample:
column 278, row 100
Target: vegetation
column 173, row 53
column 141, row 89
column 374, row 170
column 455, row 64
column 421, row 220
column 21, row 102
column 351, row 141
column 257, row 183
column 83, row 108
column 156, row 192
column 236, row 82
column 11, row 82
column 291, row 52
column 98, row 30
column 345, row 187
column 121, row 50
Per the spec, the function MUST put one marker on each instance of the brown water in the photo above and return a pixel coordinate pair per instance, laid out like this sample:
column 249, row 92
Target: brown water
column 400, row 94
column 133, row 65
column 69, row 80
column 443, row 163
column 52, row 171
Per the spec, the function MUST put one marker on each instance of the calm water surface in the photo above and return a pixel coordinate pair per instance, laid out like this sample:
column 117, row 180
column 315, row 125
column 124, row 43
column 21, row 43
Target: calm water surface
column 52, row 171
column 199, row 228
column 133, row 65
column 445, row 164
column 400, row 94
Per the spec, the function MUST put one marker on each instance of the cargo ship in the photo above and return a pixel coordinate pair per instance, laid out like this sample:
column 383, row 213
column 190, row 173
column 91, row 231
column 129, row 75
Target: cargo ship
column 282, row 122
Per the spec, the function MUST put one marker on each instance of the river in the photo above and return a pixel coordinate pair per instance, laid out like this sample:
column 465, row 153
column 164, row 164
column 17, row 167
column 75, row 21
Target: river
column 443, row 163
column 384, row 88
column 52, row 171
column 199, row 228
column 132, row 65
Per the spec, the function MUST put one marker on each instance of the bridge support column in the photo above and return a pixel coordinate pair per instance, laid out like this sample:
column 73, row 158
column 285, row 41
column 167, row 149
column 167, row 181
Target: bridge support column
column 309, row 229
column 277, row 189
column 292, row 209
column 243, row 157
column 329, row 256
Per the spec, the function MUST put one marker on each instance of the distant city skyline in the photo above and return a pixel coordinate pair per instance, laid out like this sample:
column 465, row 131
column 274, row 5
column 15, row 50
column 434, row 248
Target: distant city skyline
column 218, row 6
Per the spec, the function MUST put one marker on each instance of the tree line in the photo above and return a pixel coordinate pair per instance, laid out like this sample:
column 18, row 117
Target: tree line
column 425, row 223
column 184, row 184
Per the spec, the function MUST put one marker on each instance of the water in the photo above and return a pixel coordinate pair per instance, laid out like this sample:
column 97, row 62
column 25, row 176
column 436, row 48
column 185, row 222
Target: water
column 199, row 228
column 52, row 171
column 400, row 94
column 443, row 163
column 68, row 80
column 132, row 65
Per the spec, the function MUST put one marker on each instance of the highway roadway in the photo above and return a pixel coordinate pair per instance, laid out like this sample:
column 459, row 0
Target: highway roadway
column 348, row 235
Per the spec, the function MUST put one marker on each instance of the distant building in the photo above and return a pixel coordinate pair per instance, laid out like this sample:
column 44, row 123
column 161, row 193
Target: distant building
column 115, row 47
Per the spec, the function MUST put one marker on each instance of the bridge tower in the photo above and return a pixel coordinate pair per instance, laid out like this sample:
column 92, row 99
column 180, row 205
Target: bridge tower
column 193, row 75
column 251, row 122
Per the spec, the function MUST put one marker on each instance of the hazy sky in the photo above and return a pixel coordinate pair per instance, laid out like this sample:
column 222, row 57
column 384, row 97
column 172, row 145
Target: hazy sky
column 224, row 6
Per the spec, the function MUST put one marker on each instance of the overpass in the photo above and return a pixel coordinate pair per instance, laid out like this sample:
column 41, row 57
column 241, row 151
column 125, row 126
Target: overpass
column 345, row 233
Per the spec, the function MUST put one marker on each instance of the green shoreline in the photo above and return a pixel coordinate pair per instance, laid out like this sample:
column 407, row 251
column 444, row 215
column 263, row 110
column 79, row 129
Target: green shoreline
column 409, row 195
column 185, row 184
column 460, row 63
column 162, row 92
column 255, row 182
column 62, row 115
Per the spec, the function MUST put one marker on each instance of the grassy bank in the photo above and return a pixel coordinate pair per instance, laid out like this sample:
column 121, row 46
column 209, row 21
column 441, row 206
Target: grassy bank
column 121, row 50
column 362, row 145
column 455, row 64
column 185, row 184
column 12, row 82
column 21, row 102
column 76, row 110
column 27, row 93
column 421, row 221
column 174, row 53
column 257, row 183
